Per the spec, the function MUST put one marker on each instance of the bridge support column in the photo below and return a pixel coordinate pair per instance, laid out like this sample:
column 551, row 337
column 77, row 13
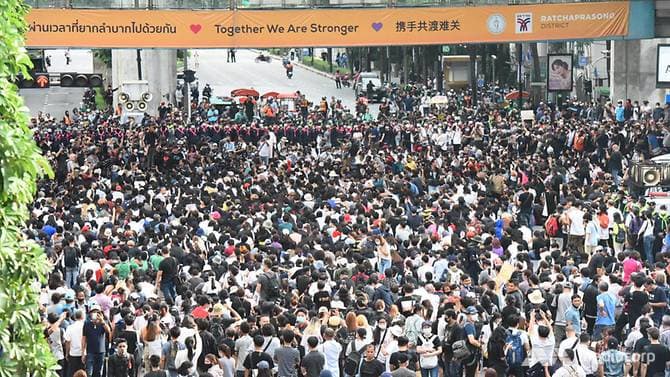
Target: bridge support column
column 634, row 70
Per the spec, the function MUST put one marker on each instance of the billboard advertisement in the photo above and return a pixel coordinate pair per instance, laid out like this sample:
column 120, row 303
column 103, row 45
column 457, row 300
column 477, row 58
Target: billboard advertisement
column 105, row 28
column 559, row 72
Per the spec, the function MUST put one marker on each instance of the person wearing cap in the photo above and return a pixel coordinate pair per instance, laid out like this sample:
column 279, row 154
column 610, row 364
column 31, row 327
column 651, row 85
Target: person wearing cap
column 429, row 347
column 472, row 336
column 94, row 333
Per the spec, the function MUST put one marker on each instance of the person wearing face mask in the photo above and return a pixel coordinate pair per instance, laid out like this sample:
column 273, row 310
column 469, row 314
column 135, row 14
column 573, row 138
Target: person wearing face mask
column 301, row 318
column 429, row 348
column 449, row 332
column 212, row 366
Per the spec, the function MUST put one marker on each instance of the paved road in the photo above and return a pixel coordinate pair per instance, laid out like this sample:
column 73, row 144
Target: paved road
column 56, row 100
column 263, row 77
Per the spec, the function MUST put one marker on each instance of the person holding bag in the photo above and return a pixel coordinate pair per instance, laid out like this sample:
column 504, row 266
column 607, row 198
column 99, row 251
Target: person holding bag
column 429, row 348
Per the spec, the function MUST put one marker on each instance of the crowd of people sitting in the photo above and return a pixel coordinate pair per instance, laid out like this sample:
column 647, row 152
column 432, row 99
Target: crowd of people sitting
column 455, row 241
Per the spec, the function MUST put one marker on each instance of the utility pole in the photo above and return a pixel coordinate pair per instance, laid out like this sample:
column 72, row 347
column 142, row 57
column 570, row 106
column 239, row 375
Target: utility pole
column 139, row 53
column 188, row 89
column 519, row 48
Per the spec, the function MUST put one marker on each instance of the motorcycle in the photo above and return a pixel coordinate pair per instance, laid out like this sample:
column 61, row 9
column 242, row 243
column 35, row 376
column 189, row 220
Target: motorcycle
column 345, row 81
column 263, row 58
column 289, row 74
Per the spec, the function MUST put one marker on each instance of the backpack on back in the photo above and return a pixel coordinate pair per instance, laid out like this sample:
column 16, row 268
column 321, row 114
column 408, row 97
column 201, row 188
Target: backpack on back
column 273, row 286
column 620, row 236
column 217, row 331
column 551, row 226
column 635, row 225
column 461, row 351
column 516, row 353
column 353, row 360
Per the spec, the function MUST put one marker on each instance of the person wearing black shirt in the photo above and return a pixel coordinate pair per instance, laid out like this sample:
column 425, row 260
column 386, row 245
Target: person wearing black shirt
column 407, row 302
column 120, row 363
column 636, row 299
column 656, row 356
column 130, row 336
column 591, row 293
column 156, row 371
column 403, row 349
column 370, row 366
column 149, row 143
column 166, row 276
column 314, row 361
column 615, row 164
column 321, row 297
column 255, row 357
column 525, row 203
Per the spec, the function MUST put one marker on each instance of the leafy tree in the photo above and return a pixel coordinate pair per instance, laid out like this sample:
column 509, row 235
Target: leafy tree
column 23, row 348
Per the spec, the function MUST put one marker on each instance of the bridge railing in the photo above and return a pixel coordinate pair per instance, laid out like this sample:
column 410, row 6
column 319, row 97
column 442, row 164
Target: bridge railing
column 262, row 4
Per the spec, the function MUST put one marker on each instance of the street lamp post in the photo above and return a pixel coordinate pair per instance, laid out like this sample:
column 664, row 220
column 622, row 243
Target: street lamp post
column 494, row 68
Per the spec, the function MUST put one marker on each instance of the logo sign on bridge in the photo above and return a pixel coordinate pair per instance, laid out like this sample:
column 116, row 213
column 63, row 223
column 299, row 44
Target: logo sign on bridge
column 324, row 27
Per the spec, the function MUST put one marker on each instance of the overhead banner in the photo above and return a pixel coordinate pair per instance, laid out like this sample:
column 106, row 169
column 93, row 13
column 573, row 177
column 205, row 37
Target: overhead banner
column 324, row 27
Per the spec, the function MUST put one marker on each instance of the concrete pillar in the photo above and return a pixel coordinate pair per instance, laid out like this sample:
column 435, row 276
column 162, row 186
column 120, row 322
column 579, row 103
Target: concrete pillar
column 634, row 70
column 159, row 68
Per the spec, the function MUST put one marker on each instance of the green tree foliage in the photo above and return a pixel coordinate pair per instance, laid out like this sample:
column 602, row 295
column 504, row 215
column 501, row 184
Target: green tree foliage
column 23, row 348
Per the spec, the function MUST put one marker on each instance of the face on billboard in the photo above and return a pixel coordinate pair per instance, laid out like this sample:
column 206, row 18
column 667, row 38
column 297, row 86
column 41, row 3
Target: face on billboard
column 560, row 73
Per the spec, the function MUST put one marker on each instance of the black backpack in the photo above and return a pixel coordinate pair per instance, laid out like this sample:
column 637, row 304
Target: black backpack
column 274, row 291
column 353, row 360
column 217, row 331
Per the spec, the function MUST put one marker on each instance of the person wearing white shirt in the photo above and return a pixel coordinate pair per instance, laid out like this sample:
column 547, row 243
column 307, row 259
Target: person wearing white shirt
column 571, row 340
column 570, row 368
column 331, row 350
column 584, row 357
column 577, row 229
column 73, row 347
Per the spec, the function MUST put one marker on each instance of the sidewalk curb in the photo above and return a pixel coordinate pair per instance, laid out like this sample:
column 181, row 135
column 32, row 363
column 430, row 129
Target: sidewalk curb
column 305, row 67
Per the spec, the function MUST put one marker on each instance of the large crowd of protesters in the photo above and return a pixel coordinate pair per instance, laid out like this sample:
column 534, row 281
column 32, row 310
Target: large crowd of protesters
column 443, row 241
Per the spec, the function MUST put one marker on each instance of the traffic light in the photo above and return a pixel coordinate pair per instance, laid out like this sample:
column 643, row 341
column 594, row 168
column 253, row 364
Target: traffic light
column 189, row 76
column 38, row 80
column 588, row 86
column 80, row 80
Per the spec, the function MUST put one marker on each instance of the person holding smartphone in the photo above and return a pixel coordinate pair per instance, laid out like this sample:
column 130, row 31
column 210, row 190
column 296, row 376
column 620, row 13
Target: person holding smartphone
column 96, row 330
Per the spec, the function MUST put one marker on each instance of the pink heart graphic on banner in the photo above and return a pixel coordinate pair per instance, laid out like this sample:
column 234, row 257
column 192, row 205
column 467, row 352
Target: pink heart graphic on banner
column 195, row 28
column 377, row 26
